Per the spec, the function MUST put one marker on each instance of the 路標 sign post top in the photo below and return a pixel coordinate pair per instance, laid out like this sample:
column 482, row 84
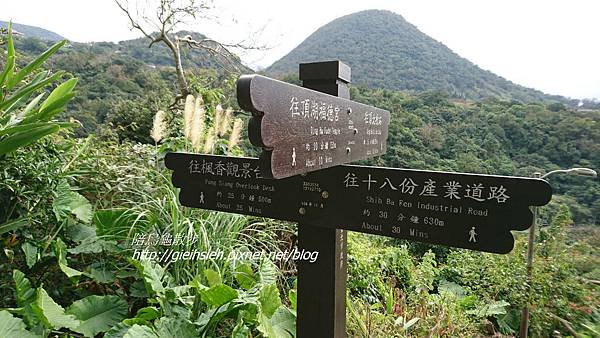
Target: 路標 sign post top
column 303, row 130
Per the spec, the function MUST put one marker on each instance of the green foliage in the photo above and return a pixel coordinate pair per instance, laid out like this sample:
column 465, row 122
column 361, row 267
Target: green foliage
column 23, row 120
column 493, row 137
column 112, row 78
column 97, row 313
column 12, row 327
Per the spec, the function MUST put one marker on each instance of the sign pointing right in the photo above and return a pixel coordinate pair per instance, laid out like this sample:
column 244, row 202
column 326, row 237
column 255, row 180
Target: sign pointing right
column 476, row 212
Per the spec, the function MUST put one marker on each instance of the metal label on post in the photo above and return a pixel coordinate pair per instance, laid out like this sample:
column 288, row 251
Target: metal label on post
column 303, row 130
column 476, row 212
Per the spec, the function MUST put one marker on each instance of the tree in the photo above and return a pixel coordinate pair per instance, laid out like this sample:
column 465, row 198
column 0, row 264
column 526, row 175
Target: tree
column 162, row 25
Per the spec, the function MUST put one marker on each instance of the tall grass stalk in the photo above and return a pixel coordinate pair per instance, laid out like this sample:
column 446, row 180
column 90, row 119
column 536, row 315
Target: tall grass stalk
column 236, row 133
column 209, row 142
column 198, row 123
column 159, row 211
column 188, row 115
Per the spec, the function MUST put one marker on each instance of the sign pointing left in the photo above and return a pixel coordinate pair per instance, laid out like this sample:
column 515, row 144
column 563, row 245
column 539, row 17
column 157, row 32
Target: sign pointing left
column 302, row 130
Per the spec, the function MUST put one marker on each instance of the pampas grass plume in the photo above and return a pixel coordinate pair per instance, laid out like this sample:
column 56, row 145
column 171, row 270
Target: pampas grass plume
column 209, row 143
column 159, row 127
column 198, row 122
column 236, row 132
column 188, row 115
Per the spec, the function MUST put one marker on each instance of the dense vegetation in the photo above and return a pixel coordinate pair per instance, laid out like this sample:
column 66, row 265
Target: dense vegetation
column 115, row 75
column 428, row 131
column 72, row 210
column 386, row 51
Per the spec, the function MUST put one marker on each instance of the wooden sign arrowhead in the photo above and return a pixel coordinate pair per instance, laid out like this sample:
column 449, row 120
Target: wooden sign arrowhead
column 302, row 130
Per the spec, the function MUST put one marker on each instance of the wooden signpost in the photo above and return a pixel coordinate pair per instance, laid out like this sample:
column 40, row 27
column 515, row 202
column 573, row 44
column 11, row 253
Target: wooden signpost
column 307, row 137
column 303, row 130
column 476, row 212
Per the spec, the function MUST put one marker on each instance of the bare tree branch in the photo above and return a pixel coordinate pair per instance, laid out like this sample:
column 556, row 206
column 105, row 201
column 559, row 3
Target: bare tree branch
column 171, row 14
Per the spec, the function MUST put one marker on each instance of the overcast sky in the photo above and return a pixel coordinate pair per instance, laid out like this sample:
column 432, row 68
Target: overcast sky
column 549, row 45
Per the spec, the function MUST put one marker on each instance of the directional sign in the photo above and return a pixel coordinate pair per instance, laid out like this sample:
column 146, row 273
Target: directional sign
column 304, row 130
column 461, row 210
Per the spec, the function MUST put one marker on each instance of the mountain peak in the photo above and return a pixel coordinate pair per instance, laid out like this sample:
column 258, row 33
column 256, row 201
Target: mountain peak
column 386, row 51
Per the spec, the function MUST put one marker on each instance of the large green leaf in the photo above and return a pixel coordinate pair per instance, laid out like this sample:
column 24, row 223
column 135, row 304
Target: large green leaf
column 26, row 296
column 60, row 251
column 31, row 253
column 28, row 89
column 69, row 203
column 51, row 314
column 283, row 323
column 98, row 313
column 33, row 65
column 265, row 326
column 267, row 272
column 218, row 295
column 490, row 309
column 212, row 277
column 14, row 224
column 140, row 331
column 245, row 276
column 56, row 99
column 30, row 107
column 169, row 327
column 53, row 109
column 103, row 275
column 269, row 299
column 152, row 274
column 451, row 288
column 28, row 126
column 148, row 313
column 11, row 327
column 16, row 141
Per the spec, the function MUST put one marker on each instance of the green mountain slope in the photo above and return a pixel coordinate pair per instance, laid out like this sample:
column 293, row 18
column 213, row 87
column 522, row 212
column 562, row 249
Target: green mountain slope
column 160, row 55
column 33, row 32
column 112, row 75
column 386, row 51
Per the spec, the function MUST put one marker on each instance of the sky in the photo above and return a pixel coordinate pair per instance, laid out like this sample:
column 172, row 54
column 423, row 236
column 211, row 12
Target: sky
column 547, row 45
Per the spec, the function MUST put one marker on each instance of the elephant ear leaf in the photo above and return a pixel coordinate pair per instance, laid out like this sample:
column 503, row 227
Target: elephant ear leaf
column 51, row 314
column 12, row 327
column 98, row 313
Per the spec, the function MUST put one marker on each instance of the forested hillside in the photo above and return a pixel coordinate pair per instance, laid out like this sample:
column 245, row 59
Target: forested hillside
column 386, row 51
column 114, row 76
column 33, row 32
column 430, row 131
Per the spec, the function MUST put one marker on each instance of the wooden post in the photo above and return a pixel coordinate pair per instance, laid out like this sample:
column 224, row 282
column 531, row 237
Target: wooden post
column 322, row 284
